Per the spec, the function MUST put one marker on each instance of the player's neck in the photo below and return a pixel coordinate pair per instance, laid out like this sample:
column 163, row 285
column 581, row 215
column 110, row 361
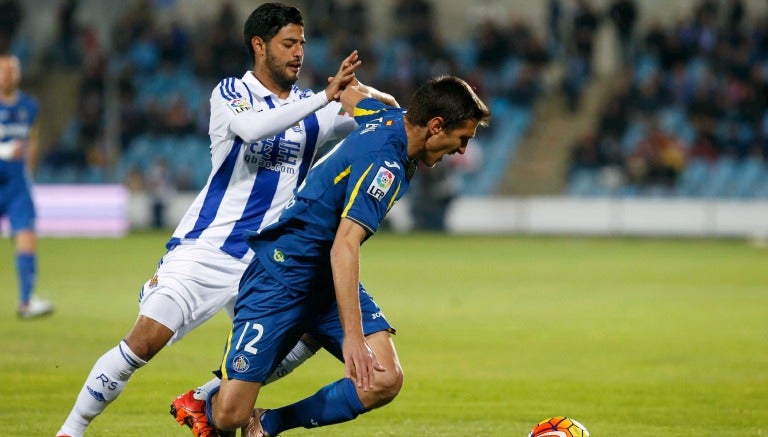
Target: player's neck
column 417, row 139
column 9, row 97
column 271, row 85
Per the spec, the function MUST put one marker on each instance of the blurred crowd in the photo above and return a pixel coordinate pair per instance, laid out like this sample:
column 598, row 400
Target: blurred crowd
column 142, row 101
column 689, row 114
column 692, row 90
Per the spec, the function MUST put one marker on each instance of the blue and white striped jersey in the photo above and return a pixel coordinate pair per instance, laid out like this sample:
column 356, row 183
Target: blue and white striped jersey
column 261, row 150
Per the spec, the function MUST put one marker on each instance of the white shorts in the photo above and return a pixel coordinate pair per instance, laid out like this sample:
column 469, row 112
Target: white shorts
column 199, row 279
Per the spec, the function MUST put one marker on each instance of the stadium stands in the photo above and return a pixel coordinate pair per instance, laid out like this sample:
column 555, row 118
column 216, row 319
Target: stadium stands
column 702, row 82
column 690, row 120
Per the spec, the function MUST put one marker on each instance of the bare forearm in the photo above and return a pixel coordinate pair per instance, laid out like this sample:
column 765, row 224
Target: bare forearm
column 345, row 263
column 381, row 96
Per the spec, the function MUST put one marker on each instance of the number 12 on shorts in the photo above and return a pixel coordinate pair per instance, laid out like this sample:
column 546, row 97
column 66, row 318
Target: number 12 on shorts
column 249, row 346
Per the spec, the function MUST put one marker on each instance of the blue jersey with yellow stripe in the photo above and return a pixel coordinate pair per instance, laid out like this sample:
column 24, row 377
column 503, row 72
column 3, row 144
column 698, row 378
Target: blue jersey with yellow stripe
column 360, row 179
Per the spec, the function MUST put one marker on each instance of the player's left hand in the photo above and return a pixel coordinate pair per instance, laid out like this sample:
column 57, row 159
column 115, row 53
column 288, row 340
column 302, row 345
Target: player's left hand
column 344, row 76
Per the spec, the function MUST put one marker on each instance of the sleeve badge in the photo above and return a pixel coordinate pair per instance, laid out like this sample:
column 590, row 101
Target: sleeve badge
column 381, row 184
column 238, row 105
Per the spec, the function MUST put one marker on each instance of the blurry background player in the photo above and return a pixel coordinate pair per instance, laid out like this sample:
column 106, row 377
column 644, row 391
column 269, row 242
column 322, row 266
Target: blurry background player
column 18, row 147
column 264, row 131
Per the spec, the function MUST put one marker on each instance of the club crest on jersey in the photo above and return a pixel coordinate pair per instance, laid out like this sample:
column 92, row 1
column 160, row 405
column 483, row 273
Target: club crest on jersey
column 278, row 256
column 381, row 184
column 240, row 363
column 153, row 281
column 238, row 105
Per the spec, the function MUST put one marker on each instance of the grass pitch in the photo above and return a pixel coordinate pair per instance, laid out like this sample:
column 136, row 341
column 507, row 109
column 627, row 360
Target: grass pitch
column 632, row 337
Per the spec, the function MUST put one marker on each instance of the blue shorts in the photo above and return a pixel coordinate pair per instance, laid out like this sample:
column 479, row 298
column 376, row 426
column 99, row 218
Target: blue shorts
column 270, row 319
column 16, row 197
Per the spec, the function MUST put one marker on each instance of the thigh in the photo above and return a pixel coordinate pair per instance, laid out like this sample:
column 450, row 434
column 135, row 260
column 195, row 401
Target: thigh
column 384, row 348
column 201, row 281
column 21, row 209
column 329, row 333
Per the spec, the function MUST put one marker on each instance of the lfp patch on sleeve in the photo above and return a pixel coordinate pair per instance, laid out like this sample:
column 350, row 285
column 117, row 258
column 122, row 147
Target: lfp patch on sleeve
column 381, row 183
column 238, row 105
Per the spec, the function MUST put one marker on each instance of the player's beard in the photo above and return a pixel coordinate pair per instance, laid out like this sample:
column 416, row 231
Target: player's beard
column 277, row 70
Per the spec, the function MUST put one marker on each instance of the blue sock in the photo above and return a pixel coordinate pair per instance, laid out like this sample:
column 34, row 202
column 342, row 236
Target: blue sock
column 208, row 409
column 335, row 403
column 25, row 268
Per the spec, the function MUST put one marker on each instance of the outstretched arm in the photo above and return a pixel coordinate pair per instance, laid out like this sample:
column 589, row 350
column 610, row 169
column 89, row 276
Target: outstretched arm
column 253, row 126
column 359, row 360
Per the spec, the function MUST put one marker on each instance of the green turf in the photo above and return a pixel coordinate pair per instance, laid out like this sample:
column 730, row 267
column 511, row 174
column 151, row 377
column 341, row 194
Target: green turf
column 629, row 336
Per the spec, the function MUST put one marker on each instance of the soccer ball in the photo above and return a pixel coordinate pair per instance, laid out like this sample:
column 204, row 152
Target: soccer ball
column 559, row 426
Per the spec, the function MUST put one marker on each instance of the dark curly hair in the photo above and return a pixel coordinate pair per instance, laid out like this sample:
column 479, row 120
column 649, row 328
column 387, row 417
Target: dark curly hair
column 266, row 20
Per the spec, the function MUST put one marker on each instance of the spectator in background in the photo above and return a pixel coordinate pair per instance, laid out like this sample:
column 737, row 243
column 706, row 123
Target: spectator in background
column 413, row 18
column 11, row 15
column 18, row 150
column 623, row 14
column 735, row 13
column 554, row 26
column 132, row 119
column 160, row 191
column 585, row 154
column 585, row 23
column 492, row 46
column 575, row 78
column 434, row 190
column 657, row 161
column 66, row 50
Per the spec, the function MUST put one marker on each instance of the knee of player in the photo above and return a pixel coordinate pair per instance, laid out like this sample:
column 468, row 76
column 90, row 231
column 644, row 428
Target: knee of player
column 230, row 416
column 144, row 348
column 388, row 384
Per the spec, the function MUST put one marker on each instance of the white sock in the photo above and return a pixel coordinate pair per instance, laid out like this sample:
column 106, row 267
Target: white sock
column 300, row 353
column 104, row 384
column 201, row 393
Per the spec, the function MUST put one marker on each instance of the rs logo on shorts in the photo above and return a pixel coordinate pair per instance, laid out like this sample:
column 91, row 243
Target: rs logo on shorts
column 240, row 363
column 381, row 183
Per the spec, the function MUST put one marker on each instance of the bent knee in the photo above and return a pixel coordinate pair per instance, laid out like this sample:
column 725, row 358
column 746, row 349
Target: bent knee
column 387, row 385
column 230, row 418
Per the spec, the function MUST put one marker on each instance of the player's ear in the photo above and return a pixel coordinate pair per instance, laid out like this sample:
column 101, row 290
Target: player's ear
column 259, row 46
column 435, row 125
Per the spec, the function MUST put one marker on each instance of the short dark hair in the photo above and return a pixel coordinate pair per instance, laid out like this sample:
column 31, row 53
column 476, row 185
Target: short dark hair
column 266, row 20
column 448, row 97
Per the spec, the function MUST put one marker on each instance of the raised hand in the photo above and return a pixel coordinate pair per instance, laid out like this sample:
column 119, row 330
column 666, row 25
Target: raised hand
column 344, row 77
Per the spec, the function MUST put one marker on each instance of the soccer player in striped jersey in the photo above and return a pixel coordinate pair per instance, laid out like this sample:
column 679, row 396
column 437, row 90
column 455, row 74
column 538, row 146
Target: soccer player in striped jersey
column 304, row 277
column 264, row 132
column 18, row 148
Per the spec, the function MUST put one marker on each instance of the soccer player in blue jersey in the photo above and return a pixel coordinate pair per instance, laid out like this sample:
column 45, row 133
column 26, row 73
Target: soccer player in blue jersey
column 264, row 132
column 18, row 147
column 304, row 276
